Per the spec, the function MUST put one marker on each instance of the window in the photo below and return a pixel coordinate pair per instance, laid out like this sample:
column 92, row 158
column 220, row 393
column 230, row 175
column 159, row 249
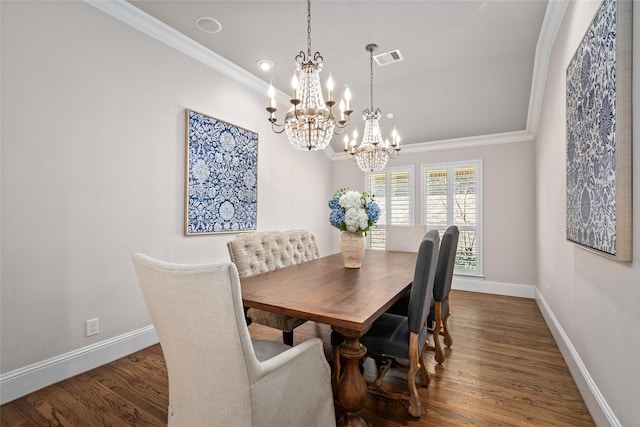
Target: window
column 393, row 190
column 452, row 196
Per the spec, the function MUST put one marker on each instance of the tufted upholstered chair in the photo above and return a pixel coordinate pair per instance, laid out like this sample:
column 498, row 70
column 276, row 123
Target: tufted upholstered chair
column 218, row 375
column 261, row 251
column 395, row 336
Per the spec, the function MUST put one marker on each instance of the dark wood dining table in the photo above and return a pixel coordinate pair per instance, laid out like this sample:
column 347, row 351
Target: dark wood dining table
column 349, row 300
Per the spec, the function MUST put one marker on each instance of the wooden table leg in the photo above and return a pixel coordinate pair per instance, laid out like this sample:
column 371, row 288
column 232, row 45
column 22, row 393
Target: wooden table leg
column 352, row 389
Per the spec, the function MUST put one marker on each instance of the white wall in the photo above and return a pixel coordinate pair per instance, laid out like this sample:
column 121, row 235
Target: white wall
column 92, row 152
column 596, row 302
column 508, row 205
column 93, row 171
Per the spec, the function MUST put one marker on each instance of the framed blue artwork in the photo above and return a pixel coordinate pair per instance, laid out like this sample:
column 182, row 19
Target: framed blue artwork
column 599, row 204
column 221, row 176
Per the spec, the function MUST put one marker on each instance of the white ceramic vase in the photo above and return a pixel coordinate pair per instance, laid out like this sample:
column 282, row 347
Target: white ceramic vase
column 352, row 249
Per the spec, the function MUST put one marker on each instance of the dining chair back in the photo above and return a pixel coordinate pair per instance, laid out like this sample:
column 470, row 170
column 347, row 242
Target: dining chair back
column 262, row 251
column 404, row 238
column 440, row 310
column 396, row 336
column 218, row 376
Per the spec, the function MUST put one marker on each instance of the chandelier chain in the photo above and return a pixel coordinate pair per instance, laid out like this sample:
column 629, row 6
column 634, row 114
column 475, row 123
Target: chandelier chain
column 374, row 151
column 371, row 85
column 309, row 28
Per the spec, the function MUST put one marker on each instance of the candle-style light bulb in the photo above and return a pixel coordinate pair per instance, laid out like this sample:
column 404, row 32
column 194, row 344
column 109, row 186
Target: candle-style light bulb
column 347, row 98
column 271, row 93
column 346, row 142
column 294, row 85
column 330, row 87
column 272, row 102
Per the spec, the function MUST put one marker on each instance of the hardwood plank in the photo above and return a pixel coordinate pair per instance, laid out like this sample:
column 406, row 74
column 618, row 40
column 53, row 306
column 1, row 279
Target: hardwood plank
column 57, row 408
column 503, row 369
column 142, row 392
column 20, row 413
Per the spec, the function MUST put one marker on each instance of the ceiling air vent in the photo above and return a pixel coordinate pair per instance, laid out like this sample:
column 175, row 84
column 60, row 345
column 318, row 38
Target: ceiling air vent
column 388, row 57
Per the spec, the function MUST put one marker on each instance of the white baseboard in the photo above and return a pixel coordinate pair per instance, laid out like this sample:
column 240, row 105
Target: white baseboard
column 600, row 410
column 30, row 378
column 497, row 288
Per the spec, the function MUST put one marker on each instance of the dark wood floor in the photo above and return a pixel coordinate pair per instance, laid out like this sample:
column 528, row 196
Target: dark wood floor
column 503, row 369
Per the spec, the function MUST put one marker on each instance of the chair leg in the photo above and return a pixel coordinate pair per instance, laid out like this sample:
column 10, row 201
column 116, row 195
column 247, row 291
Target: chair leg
column 436, row 332
column 383, row 368
column 414, row 399
column 287, row 338
column 447, row 336
column 424, row 375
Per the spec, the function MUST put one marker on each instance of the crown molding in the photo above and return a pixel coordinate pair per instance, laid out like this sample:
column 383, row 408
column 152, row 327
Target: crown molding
column 548, row 32
column 456, row 143
column 147, row 24
column 136, row 18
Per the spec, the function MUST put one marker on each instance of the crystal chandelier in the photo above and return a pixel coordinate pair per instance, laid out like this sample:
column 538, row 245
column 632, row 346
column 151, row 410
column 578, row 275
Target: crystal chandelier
column 310, row 123
column 373, row 152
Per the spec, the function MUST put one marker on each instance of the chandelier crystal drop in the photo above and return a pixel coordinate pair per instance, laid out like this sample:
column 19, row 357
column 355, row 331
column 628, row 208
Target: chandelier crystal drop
column 310, row 123
column 371, row 155
column 374, row 151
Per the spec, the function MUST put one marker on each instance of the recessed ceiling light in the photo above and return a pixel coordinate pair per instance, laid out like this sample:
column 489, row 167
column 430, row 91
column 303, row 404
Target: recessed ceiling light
column 209, row 25
column 265, row 64
column 389, row 115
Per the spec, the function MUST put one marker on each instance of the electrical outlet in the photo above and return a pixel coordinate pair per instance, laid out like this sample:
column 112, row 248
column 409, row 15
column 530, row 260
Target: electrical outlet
column 92, row 327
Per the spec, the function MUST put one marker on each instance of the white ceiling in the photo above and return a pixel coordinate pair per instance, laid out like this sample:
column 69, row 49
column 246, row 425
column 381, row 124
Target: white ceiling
column 467, row 68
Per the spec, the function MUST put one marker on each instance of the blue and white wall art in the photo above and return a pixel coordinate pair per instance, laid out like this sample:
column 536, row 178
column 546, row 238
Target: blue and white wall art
column 222, row 176
column 599, row 135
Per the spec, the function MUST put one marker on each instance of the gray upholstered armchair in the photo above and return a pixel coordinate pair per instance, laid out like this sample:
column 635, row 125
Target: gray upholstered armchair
column 403, row 238
column 439, row 312
column 218, row 376
column 404, row 337
column 258, row 252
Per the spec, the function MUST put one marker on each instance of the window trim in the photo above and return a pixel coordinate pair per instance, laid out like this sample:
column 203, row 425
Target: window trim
column 449, row 166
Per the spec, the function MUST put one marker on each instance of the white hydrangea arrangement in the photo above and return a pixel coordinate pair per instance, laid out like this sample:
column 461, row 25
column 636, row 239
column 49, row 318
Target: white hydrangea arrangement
column 352, row 211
